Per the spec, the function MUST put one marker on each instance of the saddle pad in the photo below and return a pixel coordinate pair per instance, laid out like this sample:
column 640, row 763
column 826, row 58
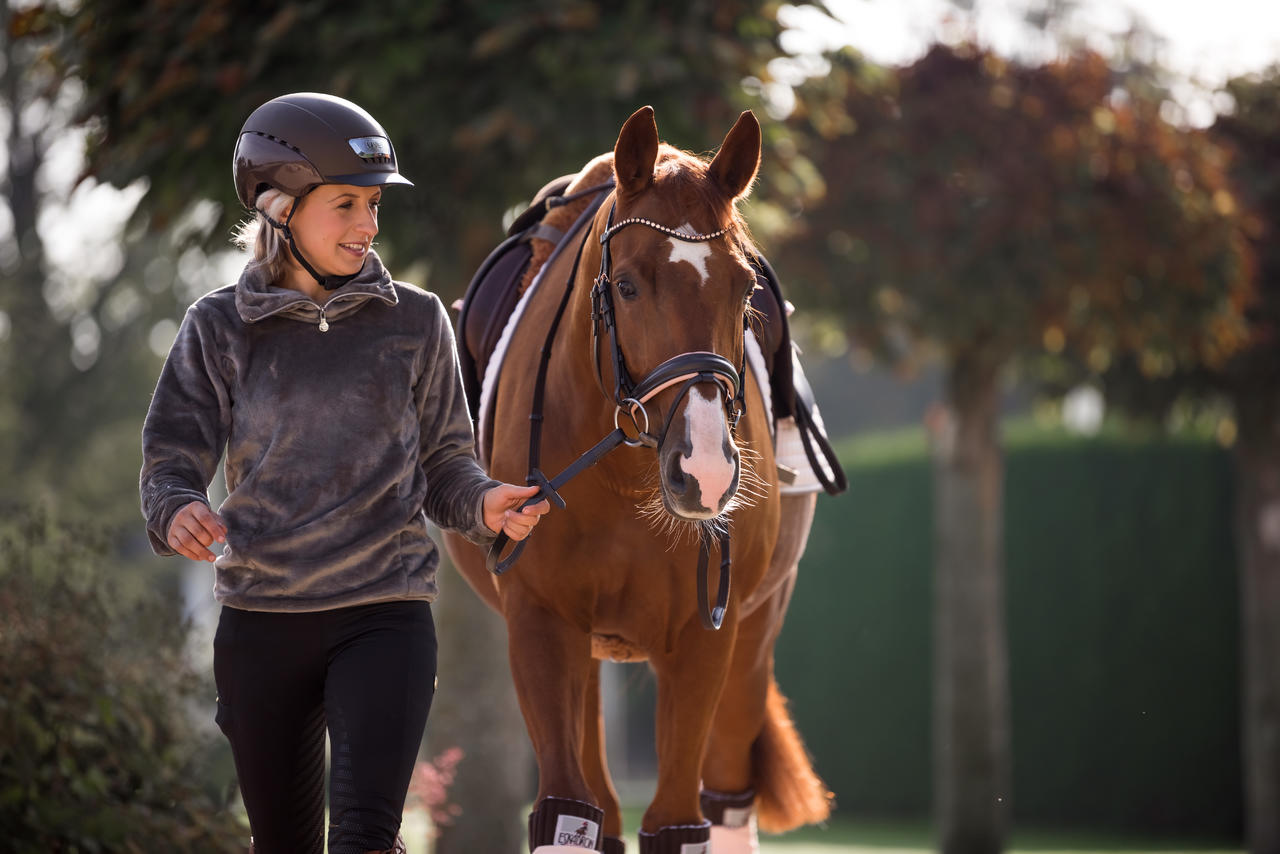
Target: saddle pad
column 489, row 384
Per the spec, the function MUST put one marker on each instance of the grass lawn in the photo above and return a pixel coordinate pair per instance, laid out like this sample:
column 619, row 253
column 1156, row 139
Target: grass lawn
column 879, row 837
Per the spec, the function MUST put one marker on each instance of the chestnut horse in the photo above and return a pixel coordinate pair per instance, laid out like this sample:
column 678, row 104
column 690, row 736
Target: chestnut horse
column 613, row 575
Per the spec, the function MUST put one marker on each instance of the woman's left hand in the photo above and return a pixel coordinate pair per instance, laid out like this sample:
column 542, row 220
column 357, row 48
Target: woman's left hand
column 502, row 511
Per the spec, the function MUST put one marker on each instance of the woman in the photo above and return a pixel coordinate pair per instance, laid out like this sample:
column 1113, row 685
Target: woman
column 336, row 396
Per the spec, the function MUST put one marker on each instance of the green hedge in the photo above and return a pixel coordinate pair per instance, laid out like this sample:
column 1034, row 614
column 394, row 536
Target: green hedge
column 1123, row 636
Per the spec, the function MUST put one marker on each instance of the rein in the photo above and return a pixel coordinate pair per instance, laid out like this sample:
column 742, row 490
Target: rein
column 630, row 398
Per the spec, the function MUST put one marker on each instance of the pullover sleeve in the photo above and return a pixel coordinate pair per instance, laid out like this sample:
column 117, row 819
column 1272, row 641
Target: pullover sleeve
column 455, row 481
column 185, row 430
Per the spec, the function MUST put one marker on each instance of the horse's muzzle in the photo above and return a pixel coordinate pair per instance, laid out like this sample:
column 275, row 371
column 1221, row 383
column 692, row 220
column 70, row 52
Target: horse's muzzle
column 698, row 459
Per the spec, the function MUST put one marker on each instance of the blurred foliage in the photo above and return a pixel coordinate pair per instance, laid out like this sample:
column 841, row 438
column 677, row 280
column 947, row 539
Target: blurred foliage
column 1247, row 138
column 484, row 101
column 1039, row 211
column 97, row 751
column 76, row 363
column 1251, row 130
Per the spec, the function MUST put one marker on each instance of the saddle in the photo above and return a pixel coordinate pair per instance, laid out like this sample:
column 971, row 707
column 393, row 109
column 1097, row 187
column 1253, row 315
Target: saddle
column 545, row 230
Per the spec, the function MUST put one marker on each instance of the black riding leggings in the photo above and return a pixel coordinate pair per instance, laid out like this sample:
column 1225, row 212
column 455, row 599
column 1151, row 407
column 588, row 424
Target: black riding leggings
column 367, row 673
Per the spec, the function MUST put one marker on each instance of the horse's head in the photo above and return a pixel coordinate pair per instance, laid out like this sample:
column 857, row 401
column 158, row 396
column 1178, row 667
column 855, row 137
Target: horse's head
column 677, row 276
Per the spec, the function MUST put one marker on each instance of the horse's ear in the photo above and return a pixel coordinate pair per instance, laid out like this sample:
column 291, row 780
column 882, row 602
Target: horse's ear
column 636, row 152
column 735, row 165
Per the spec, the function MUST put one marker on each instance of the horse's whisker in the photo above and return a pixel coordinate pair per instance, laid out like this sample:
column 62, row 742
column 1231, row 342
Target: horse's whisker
column 752, row 489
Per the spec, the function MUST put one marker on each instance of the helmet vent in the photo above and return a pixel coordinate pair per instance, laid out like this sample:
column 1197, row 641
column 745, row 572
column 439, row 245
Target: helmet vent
column 283, row 142
column 371, row 149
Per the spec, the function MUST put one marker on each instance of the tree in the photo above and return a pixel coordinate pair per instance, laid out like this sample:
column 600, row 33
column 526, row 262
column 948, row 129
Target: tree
column 996, row 214
column 485, row 102
column 75, row 365
column 1252, row 381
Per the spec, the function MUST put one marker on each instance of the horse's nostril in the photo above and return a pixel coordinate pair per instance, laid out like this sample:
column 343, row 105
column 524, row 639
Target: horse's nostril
column 676, row 479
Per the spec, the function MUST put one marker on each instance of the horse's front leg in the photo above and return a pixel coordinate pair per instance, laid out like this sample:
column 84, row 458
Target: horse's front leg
column 731, row 778
column 690, row 679
column 551, row 667
column 728, row 778
column 596, row 767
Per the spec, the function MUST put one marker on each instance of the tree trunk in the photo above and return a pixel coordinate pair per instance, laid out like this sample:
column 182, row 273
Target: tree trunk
column 27, row 348
column 970, row 703
column 476, row 709
column 1257, row 460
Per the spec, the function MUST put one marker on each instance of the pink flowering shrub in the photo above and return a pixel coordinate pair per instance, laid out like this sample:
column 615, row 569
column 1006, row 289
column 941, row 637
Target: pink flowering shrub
column 429, row 787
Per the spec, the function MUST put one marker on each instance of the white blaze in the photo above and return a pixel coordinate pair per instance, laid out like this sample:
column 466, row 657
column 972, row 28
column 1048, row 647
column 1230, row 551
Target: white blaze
column 707, row 463
column 690, row 252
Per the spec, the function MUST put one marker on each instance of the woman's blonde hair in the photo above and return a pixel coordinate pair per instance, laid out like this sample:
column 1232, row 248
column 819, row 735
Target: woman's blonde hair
column 256, row 235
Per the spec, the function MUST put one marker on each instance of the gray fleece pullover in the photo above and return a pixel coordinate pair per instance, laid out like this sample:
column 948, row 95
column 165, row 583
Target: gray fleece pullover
column 339, row 443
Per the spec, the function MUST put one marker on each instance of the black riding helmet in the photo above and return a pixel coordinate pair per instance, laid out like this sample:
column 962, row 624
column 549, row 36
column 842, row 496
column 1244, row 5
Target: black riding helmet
column 296, row 142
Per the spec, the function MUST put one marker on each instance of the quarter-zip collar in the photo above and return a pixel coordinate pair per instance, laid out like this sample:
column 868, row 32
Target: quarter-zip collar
column 257, row 299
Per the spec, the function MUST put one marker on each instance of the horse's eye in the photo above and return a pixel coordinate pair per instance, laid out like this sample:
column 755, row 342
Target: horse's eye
column 626, row 290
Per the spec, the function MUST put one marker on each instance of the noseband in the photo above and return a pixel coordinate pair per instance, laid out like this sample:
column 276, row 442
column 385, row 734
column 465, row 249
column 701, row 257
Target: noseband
column 685, row 369
column 689, row 368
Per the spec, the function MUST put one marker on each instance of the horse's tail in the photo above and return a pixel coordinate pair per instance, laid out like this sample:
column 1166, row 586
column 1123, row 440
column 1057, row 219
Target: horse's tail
column 789, row 793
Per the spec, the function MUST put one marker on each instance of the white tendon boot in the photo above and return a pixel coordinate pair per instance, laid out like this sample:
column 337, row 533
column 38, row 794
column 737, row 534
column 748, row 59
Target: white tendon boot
column 733, row 821
column 735, row 840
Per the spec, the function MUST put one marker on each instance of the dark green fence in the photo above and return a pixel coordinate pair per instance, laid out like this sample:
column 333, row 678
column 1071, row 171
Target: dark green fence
column 1123, row 637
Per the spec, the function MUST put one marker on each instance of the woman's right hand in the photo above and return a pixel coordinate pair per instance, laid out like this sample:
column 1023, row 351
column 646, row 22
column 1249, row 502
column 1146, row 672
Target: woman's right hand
column 194, row 528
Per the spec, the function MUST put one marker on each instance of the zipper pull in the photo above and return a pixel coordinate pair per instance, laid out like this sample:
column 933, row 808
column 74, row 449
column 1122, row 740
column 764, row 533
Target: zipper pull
column 324, row 322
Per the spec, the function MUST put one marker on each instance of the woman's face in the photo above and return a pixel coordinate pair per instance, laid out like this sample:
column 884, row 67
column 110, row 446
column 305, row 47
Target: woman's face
column 335, row 225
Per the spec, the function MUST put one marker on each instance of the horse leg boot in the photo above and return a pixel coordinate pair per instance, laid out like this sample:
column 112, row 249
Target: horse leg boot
column 551, row 666
column 564, row 825
column 733, row 821
column 689, row 686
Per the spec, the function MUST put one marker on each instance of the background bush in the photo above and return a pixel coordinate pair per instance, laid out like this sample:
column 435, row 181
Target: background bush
column 98, row 752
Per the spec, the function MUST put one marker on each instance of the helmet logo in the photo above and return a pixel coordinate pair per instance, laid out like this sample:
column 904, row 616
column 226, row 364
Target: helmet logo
column 372, row 149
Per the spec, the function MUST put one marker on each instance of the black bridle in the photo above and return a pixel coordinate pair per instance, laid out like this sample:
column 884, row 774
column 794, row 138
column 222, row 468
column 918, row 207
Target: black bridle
column 685, row 370
column 690, row 368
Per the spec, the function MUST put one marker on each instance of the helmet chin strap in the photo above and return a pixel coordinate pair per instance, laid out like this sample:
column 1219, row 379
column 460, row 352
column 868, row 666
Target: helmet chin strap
column 329, row 283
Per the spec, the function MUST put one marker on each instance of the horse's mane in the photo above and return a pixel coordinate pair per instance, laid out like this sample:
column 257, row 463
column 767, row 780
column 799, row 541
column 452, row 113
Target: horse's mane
column 676, row 168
